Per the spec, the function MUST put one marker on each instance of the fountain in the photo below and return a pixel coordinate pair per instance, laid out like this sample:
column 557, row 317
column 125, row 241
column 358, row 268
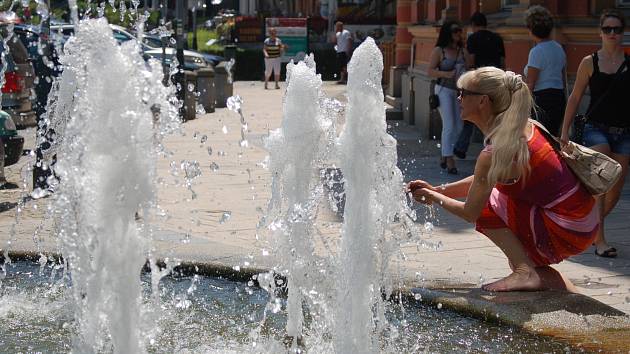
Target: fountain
column 110, row 111
column 106, row 164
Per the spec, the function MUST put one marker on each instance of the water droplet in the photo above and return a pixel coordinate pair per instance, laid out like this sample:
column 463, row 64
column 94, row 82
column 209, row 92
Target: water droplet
column 627, row 299
column 438, row 145
column 173, row 41
column 39, row 193
column 417, row 296
column 224, row 130
column 237, row 268
column 225, row 217
column 234, row 103
column 214, row 167
column 439, row 305
column 191, row 87
column 209, row 151
column 428, row 226
column 204, row 139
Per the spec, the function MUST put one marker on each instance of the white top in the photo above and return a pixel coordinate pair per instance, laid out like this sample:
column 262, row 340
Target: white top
column 550, row 59
column 343, row 43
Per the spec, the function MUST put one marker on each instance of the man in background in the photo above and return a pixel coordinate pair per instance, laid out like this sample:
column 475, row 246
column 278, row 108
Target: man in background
column 486, row 49
column 343, row 47
column 272, row 49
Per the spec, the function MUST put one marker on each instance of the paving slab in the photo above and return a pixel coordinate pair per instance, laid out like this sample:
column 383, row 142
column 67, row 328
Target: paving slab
column 215, row 220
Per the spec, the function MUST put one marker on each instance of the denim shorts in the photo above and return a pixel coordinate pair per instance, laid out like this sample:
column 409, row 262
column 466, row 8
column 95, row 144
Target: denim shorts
column 619, row 143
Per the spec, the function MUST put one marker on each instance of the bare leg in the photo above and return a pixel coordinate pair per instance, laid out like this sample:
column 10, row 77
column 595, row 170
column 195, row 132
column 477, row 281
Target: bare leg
column 266, row 80
column 607, row 202
column 524, row 275
column 277, row 77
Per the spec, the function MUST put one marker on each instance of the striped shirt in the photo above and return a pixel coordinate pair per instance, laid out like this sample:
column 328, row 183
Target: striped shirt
column 273, row 47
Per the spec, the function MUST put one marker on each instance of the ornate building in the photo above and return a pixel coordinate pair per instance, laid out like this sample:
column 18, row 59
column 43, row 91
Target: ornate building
column 418, row 21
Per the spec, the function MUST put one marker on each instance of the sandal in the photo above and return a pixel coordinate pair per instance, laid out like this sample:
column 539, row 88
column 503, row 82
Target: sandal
column 452, row 171
column 609, row 253
column 443, row 164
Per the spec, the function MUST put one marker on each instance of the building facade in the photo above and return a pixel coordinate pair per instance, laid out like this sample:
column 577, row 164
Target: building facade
column 576, row 28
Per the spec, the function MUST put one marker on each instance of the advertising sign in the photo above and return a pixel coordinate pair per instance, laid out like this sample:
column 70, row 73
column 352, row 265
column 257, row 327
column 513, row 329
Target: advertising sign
column 293, row 32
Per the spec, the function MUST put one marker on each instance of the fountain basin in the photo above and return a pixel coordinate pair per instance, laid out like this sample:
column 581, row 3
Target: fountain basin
column 216, row 314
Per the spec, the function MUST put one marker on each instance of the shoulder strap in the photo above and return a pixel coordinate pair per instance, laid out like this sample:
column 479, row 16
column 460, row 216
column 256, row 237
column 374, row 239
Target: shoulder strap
column 612, row 84
column 595, row 62
column 555, row 142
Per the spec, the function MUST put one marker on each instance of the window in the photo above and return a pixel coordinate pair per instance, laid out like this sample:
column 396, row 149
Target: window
column 511, row 3
column 623, row 2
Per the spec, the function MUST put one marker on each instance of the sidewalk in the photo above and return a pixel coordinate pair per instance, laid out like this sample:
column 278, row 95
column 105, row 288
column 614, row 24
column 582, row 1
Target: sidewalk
column 218, row 223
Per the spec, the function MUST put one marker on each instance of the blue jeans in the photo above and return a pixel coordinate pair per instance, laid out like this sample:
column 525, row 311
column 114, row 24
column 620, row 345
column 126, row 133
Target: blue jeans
column 451, row 118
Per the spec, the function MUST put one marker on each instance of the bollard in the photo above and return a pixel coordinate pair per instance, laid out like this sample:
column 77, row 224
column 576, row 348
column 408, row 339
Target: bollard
column 222, row 83
column 190, row 97
column 206, row 88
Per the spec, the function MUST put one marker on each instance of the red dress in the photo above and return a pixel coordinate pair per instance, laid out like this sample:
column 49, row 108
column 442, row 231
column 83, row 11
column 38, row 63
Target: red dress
column 552, row 214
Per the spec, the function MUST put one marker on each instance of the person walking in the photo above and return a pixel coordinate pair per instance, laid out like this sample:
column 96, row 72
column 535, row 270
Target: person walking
column 446, row 63
column 485, row 48
column 546, row 69
column 272, row 49
column 343, row 47
column 522, row 195
column 607, row 75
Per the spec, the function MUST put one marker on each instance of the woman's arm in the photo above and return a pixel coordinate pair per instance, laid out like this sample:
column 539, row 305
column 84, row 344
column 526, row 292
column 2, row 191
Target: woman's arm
column 434, row 61
column 477, row 195
column 532, row 77
column 581, row 81
column 457, row 189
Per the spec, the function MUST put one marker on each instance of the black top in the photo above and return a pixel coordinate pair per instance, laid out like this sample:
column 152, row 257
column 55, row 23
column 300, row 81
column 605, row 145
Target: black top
column 610, row 111
column 487, row 47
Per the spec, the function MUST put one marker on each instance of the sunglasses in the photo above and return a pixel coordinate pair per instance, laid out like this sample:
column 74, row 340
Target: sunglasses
column 462, row 92
column 609, row 29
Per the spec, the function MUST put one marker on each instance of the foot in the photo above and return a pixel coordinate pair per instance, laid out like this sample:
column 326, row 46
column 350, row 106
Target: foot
column 443, row 163
column 460, row 154
column 523, row 279
column 266, row 86
column 605, row 250
column 277, row 87
column 607, row 253
column 452, row 171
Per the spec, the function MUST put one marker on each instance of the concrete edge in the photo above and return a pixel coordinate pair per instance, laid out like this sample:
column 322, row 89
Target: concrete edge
column 577, row 319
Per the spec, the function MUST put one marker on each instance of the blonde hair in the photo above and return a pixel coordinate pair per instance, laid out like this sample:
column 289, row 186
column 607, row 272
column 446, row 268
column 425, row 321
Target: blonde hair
column 511, row 104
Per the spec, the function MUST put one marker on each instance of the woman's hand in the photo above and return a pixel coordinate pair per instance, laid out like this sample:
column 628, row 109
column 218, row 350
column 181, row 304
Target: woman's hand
column 417, row 184
column 423, row 195
column 448, row 74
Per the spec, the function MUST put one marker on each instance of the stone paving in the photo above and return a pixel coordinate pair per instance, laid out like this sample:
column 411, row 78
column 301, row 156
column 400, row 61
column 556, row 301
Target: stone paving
column 215, row 221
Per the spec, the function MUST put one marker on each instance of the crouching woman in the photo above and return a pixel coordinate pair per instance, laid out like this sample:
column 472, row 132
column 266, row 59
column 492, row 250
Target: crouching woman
column 522, row 195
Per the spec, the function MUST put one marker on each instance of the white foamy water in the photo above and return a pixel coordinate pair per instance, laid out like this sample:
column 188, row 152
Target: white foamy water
column 298, row 150
column 375, row 207
column 106, row 164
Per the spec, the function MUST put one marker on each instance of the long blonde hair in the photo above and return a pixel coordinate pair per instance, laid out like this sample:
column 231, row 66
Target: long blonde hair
column 512, row 104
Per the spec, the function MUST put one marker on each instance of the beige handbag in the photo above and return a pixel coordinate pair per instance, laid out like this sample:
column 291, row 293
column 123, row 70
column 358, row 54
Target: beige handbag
column 597, row 172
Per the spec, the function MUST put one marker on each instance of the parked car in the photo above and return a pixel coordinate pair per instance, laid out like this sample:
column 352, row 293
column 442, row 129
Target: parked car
column 44, row 59
column 18, row 91
column 155, row 42
column 11, row 141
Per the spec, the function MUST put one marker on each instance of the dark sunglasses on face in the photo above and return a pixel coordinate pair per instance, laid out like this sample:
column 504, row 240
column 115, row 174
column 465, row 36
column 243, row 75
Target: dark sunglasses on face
column 462, row 92
column 609, row 29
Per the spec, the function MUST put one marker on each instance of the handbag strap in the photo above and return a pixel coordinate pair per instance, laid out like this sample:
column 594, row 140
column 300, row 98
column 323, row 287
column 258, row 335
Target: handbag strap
column 609, row 89
column 554, row 141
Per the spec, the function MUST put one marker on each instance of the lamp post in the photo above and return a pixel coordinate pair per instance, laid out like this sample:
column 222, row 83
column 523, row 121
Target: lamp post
column 179, row 35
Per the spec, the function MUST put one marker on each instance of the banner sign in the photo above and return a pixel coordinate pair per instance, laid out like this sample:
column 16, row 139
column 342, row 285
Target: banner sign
column 293, row 32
